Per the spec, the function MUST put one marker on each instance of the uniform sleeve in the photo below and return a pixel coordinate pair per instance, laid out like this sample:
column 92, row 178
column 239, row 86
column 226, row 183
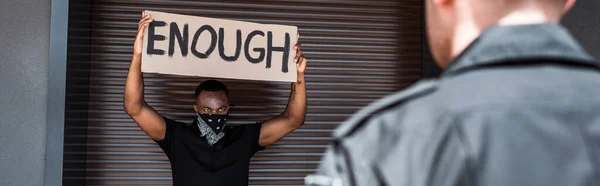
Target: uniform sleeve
column 254, row 131
column 326, row 174
column 384, row 152
column 167, row 142
column 327, row 166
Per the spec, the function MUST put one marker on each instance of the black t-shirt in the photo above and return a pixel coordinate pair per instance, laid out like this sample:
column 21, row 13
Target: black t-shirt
column 195, row 162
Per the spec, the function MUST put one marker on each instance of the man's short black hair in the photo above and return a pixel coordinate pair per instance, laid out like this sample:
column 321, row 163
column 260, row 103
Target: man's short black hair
column 212, row 86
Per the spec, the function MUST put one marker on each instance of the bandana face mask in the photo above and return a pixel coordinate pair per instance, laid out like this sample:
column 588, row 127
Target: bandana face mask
column 211, row 126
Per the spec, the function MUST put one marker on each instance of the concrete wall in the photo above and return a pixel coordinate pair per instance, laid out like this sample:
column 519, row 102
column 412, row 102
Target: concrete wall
column 584, row 23
column 23, row 97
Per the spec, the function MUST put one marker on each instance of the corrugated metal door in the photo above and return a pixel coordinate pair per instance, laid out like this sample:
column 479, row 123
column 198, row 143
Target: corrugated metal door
column 358, row 52
column 77, row 93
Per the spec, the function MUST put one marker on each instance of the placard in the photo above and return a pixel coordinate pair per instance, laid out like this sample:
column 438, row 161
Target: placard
column 209, row 47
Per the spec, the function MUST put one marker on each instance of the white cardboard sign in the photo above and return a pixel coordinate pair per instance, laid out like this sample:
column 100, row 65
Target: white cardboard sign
column 209, row 47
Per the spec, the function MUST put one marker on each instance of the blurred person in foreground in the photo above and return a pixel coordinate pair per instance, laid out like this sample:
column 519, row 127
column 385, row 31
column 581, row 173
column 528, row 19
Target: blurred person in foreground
column 517, row 104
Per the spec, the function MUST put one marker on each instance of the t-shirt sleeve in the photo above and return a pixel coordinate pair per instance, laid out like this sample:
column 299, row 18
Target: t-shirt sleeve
column 254, row 130
column 167, row 142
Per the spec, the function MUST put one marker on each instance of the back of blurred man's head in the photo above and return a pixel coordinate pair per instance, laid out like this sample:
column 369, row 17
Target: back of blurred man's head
column 453, row 24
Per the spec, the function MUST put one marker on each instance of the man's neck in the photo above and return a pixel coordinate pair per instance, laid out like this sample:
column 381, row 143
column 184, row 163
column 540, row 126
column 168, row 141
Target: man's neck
column 526, row 16
column 468, row 31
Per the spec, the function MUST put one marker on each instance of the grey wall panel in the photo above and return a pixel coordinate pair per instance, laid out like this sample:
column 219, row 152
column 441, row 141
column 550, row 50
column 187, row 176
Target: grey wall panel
column 23, row 97
column 57, row 67
column 584, row 23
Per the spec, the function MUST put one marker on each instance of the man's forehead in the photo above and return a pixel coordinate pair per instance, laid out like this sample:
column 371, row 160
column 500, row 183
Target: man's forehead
column 213, row 98
column 212, row 104
column 213, row 94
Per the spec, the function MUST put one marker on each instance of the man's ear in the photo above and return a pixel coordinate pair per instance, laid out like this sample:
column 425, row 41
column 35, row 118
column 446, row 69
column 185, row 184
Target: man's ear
column 196, row 108
column 568, row 6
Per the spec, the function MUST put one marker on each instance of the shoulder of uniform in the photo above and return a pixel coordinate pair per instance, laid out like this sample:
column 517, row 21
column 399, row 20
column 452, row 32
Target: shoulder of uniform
column 419, row 89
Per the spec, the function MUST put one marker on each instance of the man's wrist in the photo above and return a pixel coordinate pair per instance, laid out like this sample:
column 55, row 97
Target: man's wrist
column 136, row 57
column 300, row 78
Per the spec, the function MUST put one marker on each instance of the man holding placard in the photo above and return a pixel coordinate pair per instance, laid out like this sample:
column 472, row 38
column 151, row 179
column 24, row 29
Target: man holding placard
column 206, row 152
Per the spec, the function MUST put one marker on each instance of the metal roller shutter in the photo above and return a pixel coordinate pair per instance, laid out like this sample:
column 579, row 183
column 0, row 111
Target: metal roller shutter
column 77, row 93
column 358, row 52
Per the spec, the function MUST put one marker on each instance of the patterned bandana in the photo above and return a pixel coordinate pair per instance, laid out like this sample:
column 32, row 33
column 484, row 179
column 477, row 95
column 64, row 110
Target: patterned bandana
column 211, row 127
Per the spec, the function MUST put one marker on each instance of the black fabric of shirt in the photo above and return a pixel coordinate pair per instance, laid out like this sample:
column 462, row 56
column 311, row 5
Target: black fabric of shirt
column 195, row 162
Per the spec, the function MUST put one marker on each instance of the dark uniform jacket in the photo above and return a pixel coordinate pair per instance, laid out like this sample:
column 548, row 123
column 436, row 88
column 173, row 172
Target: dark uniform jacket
column 520, row 106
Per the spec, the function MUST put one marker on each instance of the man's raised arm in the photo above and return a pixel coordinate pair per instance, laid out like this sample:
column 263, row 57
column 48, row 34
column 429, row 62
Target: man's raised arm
column 293, row 117
column 136, row 107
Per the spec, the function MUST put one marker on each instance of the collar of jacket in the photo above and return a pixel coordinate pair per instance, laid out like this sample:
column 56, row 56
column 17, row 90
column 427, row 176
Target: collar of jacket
column 505, row 45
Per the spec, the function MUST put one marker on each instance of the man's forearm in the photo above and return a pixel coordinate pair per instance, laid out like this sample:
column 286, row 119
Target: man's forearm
column 296, row 108
column 134, row 86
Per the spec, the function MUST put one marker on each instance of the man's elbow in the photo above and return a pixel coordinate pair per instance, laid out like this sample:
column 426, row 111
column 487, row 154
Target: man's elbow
column 297, row 122
column 131, row 109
